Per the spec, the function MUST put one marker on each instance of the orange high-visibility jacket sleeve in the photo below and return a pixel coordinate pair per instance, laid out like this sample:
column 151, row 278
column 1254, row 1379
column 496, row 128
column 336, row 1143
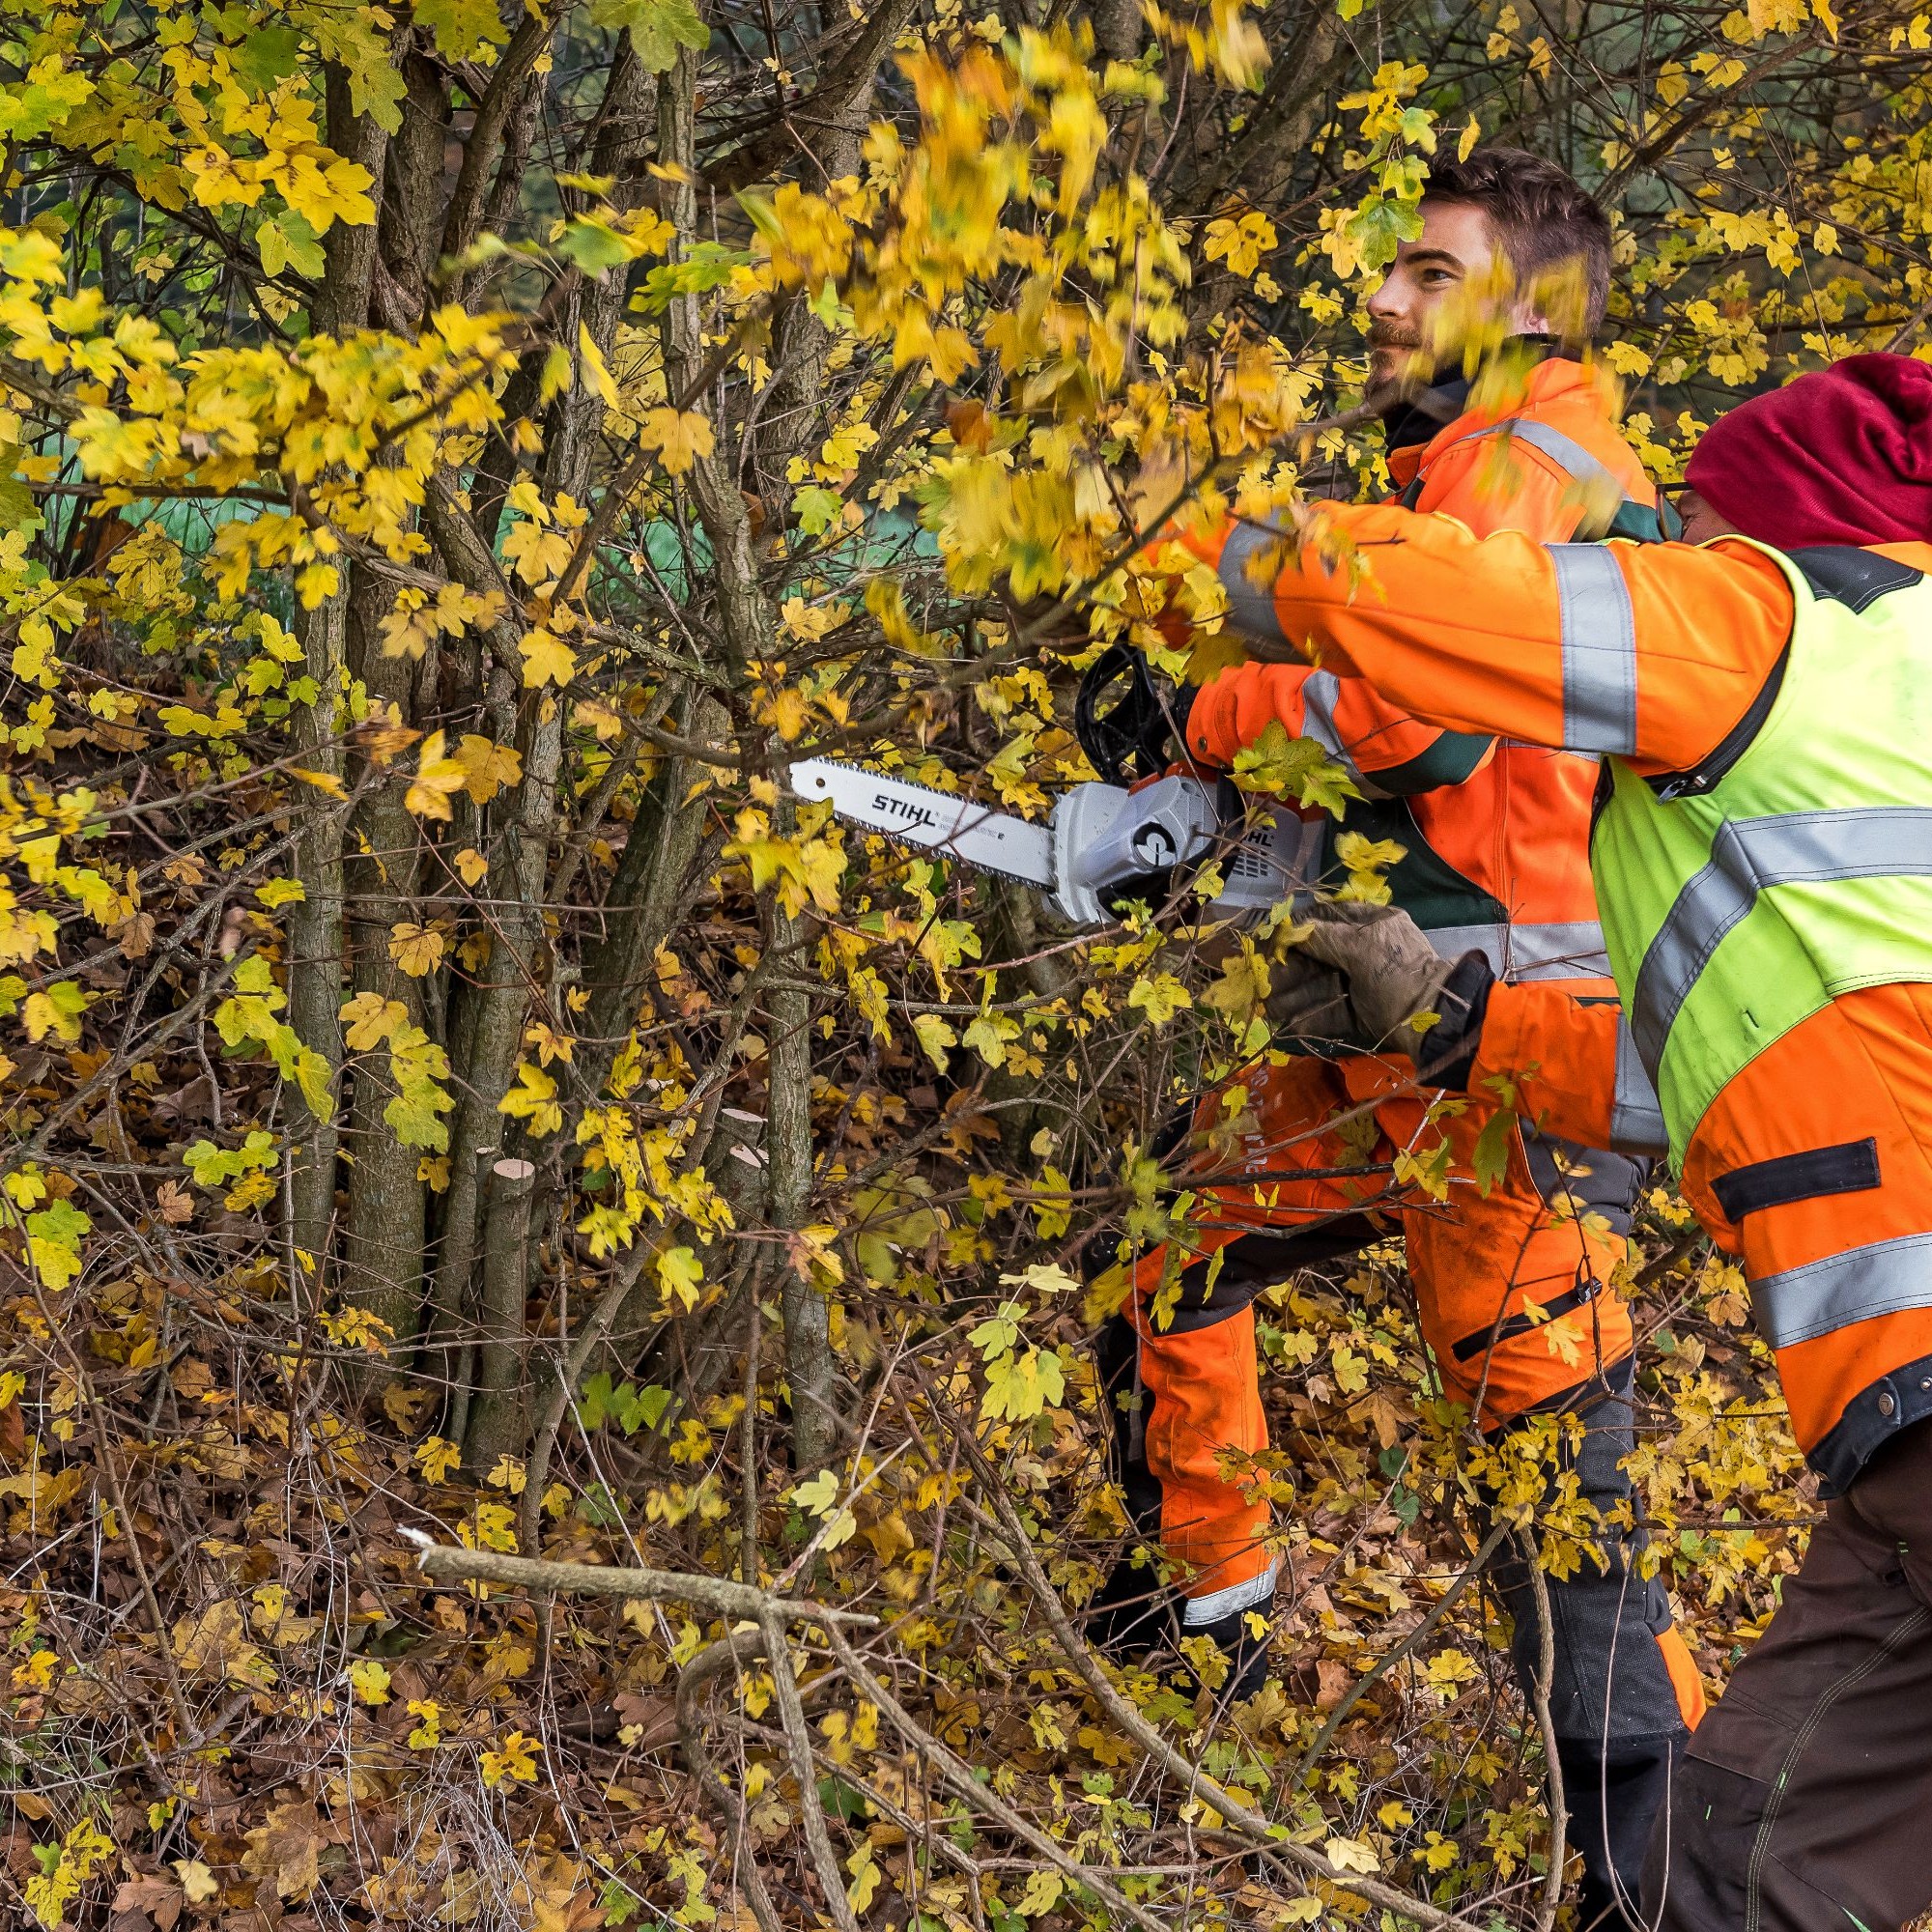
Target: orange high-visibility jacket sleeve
column 1488, row 483
column 1387, row 752
column 1552, row 1057
column 1652, row 651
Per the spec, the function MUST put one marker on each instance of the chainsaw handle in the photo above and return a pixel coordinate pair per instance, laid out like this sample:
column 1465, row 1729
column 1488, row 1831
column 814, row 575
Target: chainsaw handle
column 1135, row 736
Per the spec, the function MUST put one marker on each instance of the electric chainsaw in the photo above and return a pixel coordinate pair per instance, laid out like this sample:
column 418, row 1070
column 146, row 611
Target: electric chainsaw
column 1102, row 844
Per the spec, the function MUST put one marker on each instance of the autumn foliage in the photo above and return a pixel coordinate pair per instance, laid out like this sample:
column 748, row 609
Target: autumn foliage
column 456, row 457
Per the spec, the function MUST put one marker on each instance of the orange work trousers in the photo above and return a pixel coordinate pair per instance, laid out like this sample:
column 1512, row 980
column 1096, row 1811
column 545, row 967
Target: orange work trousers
column 1509, row 1284
column 1512, row 1289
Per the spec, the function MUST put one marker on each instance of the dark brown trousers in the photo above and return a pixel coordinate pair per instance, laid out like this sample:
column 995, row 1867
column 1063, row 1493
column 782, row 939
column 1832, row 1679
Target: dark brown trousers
column 1805, row 1801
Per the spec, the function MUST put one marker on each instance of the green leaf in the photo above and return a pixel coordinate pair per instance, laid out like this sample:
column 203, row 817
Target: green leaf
column 1492, row 1153
column 413, row 1115
column 287, row 241
column 651, row 1403
column 658, row 28
column 1297, row 768
column 593, row 245
column 817, row 511
column 347, row 35
column 464, row 29
column 1020, row 1388
column 708, row 265
column 268, row 55
column 593, row 1402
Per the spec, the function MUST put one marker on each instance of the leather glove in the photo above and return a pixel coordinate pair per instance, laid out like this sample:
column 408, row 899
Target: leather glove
column 1308, row 1006
column 1390, row 974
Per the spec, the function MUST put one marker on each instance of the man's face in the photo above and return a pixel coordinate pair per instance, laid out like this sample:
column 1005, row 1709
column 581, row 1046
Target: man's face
column 1701, row 523
column 1430, row 294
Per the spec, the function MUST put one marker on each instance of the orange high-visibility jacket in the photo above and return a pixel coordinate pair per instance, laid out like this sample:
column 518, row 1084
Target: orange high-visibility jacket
column 1471, row 635
column 1497, row 834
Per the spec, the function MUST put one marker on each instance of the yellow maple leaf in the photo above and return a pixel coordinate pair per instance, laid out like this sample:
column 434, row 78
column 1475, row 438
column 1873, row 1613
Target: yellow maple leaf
column 472, row 867
column 533, row 1098
column 547, row 659
column 369, row 1679
column 680, row 436
column 513, row 1758
column 436, row 777
column 369, row 1019
column 436, row 1457
column 489, row 766
column 416, row 949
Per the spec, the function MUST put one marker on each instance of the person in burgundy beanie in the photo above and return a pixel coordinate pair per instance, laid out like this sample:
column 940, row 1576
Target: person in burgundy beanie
column 1849, row 448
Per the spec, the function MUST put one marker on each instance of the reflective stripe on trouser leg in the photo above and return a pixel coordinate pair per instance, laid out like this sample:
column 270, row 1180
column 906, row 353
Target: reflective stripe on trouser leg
column 1599, row 634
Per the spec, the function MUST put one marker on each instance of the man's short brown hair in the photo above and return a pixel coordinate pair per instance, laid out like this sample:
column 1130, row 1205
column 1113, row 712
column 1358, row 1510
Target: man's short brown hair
column 1542, row 219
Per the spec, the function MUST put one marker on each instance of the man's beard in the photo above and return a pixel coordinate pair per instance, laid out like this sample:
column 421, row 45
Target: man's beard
column 1411, row 369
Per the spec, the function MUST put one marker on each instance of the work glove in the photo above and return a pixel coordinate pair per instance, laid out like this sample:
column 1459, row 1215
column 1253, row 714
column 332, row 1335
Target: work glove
column 1358, row 978
column 1308, row 1006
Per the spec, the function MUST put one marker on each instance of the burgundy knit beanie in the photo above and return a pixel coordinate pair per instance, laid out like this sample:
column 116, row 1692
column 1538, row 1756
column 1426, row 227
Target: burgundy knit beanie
column 1842, row 456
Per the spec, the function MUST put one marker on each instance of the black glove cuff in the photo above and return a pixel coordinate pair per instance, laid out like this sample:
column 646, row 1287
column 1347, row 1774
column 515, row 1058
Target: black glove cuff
column 1445, row 1056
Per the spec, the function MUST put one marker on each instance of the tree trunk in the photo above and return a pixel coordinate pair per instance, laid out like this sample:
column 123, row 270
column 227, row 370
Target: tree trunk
column 499, row 1419
column 386, row 1229
column 315, row 938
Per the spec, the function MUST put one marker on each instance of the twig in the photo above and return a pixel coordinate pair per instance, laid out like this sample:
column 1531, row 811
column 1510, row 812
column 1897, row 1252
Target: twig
column 446, row 1563
column 1545, row 1724
column 691, row 1680
column 543, row 1444
column 798, row 1742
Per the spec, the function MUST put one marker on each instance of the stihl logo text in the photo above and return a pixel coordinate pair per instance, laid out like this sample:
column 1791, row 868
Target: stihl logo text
column 899, row 809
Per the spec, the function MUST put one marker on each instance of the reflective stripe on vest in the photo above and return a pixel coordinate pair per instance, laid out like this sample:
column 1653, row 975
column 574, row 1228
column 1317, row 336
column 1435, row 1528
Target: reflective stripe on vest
column 1560, row 950
column 1598, row 638
column 1319, row 694
column 1250, row 607
column 1881, row 1278
column 1637, row 1120
column 1751, row 856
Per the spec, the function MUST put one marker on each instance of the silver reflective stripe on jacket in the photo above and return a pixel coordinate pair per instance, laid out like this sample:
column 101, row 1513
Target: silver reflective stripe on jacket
column 1250, row 607
column 1218, row 1604
column 1566, row 452
column 1749, row 856
column 1637, row 1120
column 1881, row 1278
column 1561, row 950
column 1599, row 634
column 1319, row 694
